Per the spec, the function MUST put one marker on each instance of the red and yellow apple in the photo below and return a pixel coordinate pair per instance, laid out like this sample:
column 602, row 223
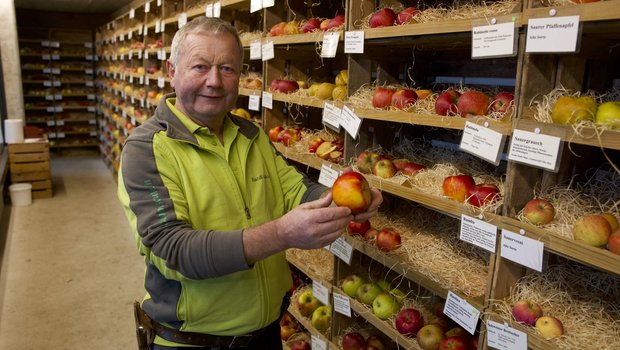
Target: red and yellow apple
column 613, row 243
column 446, row 102
column 527, row 312
column 366, row 161
column 382, row 97
column 502, row 102
column 388, row 240
column 306, row 303
column 592, row 230
column 405, row 16
column 571, row 110
column 310, row 25
column 353, row 341
column 457, row 187
column 355, row 228
column 274, row 132
column 483, row 194
column 452, row 343
column 384, row 17
column 429, row 337
column 404, row 98
column 549, row 327
column 611, row 218
column 473, row 103
column 539, row 211
column 353, row 191
column 384, row 168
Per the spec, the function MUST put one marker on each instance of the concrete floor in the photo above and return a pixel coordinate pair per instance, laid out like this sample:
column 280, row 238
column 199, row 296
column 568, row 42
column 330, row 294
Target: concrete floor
column 70, row 269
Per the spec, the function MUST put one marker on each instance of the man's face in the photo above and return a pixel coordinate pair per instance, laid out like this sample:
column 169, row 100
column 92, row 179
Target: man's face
column 206, row 77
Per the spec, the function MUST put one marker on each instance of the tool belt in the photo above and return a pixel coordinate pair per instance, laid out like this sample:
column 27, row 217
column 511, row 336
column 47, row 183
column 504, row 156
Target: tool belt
column 147, row 328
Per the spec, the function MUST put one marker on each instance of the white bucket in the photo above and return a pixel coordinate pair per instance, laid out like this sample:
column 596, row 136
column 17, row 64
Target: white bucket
column 21, row 194
column 14, row 131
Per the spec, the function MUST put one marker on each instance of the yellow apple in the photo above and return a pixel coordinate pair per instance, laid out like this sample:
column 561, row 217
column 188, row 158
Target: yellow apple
column 571, row 110
column 549, row 327
column 593, row 230
column 613, row 222
column 608, row 114
column 342, row 78
column 339, row 93
column 324, row 91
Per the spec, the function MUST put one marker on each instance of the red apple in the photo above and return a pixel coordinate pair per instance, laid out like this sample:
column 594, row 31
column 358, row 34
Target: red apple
column 274, row 132
column 502, row 102
column 430, row 336
column 382, row 97
column 408, row 321
column 284, row 86
column 592, row 230
column 353, row 341
column 374, row 342
column 384, row 168
column 277, row 29
column 335, row 22
column 458, row 332
column 382, row 18
column 324, row 24
column 314, row 143
column 472, row 103
column 352, row 190
column 355, row 228
column 613, row 243
column 286, row 332
column 404, row 98
column 539, row 211
column 457, row 187
column 366, row 161
column 399, row 163
column 452, row 343
column 310, row 25
column 388, row 240
column 300, row 344
column 526, row 311
column 446, row 102
column 412, row 168
column 473, row 341
column 406, row 15
column 483, row 194
column 289, row 136
column 371, row 234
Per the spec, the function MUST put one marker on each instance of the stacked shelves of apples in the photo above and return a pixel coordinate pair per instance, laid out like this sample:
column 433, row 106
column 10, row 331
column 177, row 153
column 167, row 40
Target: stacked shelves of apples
column 573, row 211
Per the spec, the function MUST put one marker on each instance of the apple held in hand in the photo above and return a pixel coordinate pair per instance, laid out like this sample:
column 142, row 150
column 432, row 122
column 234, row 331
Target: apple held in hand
column 613, row 243
column 502, row 102
column 353, row 341
column 445, row 104
column 382, row 97
column 608, row 114
column 404, row 98
column 322, row 318
column 306, row 303
column 472, row 103
column 549, row 327
column 483, row 194
column 388, row 240
column 384, row 168
column 352, row 190
column 526, row 312
column 539, row 211
column 385, row 306
column 592, row 230
column 351, row 284
column 408, row 321
column 457, row 187
column 355, row 228
column 429, row 337
column 367, row 293
column 382, row 18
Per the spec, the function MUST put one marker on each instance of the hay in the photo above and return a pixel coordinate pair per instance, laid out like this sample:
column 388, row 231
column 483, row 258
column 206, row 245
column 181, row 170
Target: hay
column 584, row 299
column 318, row 262
column 571, row 202
column 430, row 246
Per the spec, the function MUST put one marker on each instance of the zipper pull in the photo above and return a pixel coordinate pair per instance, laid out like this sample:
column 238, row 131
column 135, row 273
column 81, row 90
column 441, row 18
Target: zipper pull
column 247, row 213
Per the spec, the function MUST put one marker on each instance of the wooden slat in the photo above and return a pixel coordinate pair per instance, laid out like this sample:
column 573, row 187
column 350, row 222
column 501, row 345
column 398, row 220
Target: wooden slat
column 28, row 157
column 27, row 177
column 20, row 168
column 47, row 193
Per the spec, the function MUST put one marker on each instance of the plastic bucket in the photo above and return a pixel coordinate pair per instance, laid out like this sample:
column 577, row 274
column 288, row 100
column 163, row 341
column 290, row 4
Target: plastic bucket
column 21, row 194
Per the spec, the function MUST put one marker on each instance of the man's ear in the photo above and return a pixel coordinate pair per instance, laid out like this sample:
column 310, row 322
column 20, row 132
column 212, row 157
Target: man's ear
column 170, row 70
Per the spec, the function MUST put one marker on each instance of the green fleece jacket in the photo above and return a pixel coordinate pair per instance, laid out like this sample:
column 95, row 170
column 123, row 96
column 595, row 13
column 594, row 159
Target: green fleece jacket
column 188, row 199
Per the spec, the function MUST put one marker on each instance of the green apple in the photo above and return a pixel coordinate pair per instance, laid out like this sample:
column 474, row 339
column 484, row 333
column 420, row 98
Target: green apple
column 351, row 283
column 608, row 114
column 398, row 294
column 385, row 306
column 306, row 303
column 322, row 318
column 384, row 284
column 367, row 293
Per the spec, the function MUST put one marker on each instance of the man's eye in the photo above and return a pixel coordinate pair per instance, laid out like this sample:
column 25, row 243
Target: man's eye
column 228, row 70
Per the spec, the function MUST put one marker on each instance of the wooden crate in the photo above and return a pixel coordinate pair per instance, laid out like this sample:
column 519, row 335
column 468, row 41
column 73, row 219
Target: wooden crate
column 30, row 162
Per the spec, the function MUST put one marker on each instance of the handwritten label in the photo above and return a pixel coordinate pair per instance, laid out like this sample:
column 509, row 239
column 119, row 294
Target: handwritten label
column 522, row 250
column 478, row 232
column 552, row 34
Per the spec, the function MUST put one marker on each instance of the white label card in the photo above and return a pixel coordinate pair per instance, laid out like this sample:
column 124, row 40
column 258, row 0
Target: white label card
column 350, row 122
column 268, row 3
column 460, row 311
column 493, row 40
column 161, row 82
column 503, row 337
column 522, row 250
column 354, row 42
column 158, row 3
column 316, row 343
column 147, row 7
column 255, row 50
column 534, row 149
column 320, row 292
column 132, row 13
column 182, row 19
column 267, row 51
column 342, row 249
column 255, row 5
column 552, row 34
column 478, row 232
column 482, row 142
column 331, row 116
column 254, row 103
column 328, row 175
column 267, row 99
column 209, row 10
column 330, row 44
column 342, row 304
column 217, row 9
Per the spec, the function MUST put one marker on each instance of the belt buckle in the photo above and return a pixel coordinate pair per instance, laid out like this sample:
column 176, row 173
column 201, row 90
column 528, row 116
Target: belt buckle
column 239, row 341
